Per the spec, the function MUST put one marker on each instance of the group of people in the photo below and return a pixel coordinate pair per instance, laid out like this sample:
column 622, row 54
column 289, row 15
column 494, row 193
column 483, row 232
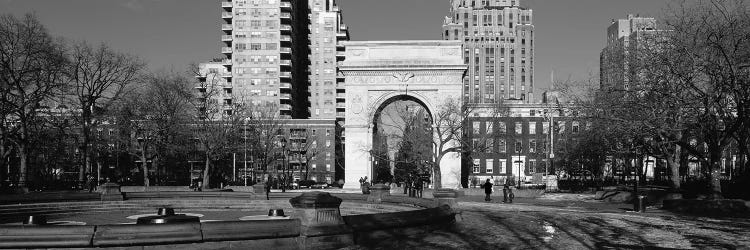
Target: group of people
column 507, row 191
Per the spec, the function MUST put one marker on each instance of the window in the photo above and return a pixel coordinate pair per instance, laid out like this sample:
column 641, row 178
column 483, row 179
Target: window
column 328, row 143
column 532, row 128
column 328, row 167
column 574, row 127
column 501, row 145
column 314, row 166
column 475, row 127
column 501, row 167
column 531, row 167
column 519, row 147
column 489, row 165
column 532, row 146
column 328, row 156
column 545, row 128
column 501, row 127
column 475, row 168
column 488, row 128
column 519, row 128
column 489, row 145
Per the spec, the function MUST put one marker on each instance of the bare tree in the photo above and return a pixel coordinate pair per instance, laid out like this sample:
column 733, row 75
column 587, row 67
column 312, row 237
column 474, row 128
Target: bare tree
column 447, row 132
column 98, row 76
column 219, row 118
column 31, row 67
column 155, row 118
column 265, row 128
column 706, row 54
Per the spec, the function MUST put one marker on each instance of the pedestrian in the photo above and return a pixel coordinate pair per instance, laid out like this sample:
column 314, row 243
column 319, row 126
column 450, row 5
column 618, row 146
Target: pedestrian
column 487, row 190
column 91, row 183
column 268, row 189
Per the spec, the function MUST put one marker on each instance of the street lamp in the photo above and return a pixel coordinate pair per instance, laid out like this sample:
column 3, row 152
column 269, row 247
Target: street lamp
column 519, row 147
column 244, row 138
column 284, row 164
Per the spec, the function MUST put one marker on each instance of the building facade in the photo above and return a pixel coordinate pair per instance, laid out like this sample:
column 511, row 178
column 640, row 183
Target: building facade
column 623, row 38
column 327, row 31
column 266, row 49
column 305, row 149
column 522, row 143
column 498, row 40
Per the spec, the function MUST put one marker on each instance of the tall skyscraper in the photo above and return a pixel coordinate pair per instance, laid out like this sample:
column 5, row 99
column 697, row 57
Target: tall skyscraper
column 498, row 38
column 266, row 49
column 623, row 36
column 327, row 31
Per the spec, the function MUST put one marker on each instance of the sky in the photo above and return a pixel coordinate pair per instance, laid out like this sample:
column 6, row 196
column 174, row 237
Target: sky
column 171, row 34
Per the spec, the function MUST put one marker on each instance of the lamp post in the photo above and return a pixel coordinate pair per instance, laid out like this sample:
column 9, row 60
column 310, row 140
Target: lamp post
column 244, row 142
column 283, row 166
column 551, row 130
column 519, row 161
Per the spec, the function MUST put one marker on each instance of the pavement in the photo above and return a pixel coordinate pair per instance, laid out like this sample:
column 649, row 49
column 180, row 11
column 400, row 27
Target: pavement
column 551, row 221
column 574, row 221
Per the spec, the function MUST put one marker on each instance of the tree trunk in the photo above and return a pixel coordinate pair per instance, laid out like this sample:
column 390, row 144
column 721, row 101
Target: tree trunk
column 438, row 183
column 715, row 171
column 23, row 155
column 205, row 171
column 85, row 118
column 674, row 166
column 144, row 165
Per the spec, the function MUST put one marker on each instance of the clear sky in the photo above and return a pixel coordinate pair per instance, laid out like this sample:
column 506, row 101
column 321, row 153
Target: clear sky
column 169, row 34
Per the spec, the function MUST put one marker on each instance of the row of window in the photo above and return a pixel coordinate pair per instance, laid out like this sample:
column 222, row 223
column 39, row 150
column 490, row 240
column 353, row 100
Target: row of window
column 255, row 46
column 487, row 145
column 256, row 24
column 242, row 3
column 531, row 127
column 257, row 12
column 490, row 166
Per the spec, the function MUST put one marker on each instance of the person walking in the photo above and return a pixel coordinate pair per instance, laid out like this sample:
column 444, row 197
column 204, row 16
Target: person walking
column 91, row 183
column 268, row 189
column 487, row 190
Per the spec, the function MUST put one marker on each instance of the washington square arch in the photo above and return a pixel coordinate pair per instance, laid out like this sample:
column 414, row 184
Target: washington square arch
column 379, row 72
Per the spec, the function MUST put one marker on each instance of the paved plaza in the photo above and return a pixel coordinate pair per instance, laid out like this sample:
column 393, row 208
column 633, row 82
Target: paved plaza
column 576, row 222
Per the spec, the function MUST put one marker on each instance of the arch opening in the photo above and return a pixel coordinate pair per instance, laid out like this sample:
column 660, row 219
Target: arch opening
column 402, row 139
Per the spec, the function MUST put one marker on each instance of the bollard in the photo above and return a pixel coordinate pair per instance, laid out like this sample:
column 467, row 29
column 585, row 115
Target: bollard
column 641, row 203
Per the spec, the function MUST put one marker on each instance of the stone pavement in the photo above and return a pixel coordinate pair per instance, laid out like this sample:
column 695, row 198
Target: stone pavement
column 525, row 225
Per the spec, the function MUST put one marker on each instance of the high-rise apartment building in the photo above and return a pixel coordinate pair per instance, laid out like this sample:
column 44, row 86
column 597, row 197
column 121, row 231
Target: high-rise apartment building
column 623, row 37
column 498, row 37
column 327, row 31
column 266, row 49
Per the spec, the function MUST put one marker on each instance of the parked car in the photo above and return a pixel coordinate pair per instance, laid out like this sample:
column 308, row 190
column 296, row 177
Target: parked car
column 306, row 183
column 319, row 185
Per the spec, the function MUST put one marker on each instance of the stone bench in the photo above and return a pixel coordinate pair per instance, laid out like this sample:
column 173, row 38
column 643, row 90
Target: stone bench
column 45, row 236
column 186, row 195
